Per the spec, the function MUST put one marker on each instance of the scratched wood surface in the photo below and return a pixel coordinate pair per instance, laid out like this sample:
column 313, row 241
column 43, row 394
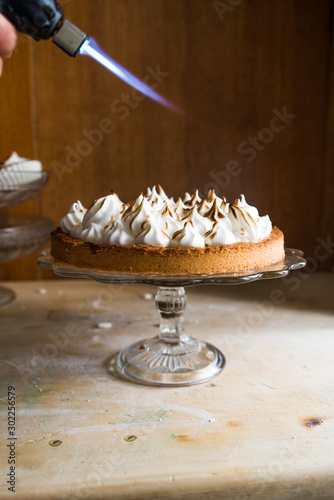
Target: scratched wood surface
column 228, row 70
column 262, row 429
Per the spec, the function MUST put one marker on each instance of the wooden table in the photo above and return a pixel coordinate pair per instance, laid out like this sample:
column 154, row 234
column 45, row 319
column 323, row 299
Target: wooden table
column 263, row 429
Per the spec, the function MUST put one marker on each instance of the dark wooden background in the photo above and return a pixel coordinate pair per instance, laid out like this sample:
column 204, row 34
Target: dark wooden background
column 227, row 70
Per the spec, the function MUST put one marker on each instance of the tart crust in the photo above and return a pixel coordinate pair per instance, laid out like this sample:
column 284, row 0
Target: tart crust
column 159, row 260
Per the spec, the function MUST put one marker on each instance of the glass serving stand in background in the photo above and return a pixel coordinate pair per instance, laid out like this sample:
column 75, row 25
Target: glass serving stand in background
column 17, row 187
column 20, row 235
column 172, row 358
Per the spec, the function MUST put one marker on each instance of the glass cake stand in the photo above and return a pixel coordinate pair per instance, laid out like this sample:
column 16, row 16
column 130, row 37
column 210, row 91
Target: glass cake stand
column 20, row 236
column 172, row 358
column 17, row 187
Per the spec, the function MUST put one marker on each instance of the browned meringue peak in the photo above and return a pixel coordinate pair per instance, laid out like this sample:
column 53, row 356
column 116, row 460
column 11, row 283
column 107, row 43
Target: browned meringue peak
column 224, row 206
column 144, row 211
column 203, row 207
column 187, row 197
column 166, row 210
column 240, row 200
column 162, row 193
column 211, row 196
column 241, row 203
column 214, row 213
column 152, row 234
column 238, row 213
column 132, row 206
column 193, row 200
column 179, row 207
column 110, row 224
column 101, row 210
column 201, row 223
column 212, row 232
column 169, row 219
column 157, row 197
column 123, row 209
column 187, row 236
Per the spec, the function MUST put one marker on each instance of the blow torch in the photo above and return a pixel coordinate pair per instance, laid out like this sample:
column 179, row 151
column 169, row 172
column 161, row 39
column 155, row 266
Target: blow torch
column 43, row 19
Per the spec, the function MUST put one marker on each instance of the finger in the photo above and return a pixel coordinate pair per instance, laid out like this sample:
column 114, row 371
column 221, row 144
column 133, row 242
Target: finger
column 7, row 37
column 1, row 64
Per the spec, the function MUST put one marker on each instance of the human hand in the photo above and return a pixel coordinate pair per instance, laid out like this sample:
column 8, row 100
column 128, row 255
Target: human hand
column 7, row 39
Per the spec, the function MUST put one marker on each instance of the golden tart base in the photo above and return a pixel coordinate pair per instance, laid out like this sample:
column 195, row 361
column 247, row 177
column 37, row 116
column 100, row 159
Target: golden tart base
column 159, row 260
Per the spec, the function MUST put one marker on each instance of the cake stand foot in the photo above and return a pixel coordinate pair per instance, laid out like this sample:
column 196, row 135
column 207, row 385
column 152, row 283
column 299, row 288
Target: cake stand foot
column 172, row 358
column 6, row 296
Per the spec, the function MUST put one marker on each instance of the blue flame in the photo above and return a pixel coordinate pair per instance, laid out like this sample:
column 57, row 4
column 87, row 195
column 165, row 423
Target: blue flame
column 91, row 48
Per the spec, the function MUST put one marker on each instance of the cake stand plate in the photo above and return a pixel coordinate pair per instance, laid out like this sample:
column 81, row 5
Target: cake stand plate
column 6, row 296
column 22, row 235
column 172, row 358
column 19, row 186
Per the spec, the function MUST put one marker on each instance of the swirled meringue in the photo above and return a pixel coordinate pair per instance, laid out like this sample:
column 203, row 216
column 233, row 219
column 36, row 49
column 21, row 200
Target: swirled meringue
column 93, row 233
column 156, row 199
column 135, row 216
column 151, row 234
column 199, row 223
column 247, row 228
column 192, row 200
column 220, row 234
column 117, row 235
column 241, row 203
column 102, row 210
column 73, row 218
column 169, row 220
column 180, row 208
column 187, row 237
column 156, row 220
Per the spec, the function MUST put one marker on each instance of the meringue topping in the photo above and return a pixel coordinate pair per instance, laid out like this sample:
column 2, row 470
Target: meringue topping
column 202, row 224
column 156, row 220
column 102, row 210
column 187, row 237
column 151, row 234
column 73, row 218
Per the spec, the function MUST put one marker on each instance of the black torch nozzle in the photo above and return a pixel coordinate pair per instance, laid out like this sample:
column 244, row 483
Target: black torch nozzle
column 43, row 19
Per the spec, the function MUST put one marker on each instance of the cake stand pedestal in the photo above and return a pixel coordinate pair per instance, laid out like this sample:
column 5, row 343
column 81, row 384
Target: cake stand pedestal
column 172, row 358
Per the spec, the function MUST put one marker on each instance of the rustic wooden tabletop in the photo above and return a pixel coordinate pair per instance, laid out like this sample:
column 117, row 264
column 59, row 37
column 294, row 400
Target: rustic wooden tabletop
column 262, row 429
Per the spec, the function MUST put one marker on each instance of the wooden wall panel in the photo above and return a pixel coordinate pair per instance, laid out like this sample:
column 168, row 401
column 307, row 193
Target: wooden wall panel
column 327, row 213
column 229, row 76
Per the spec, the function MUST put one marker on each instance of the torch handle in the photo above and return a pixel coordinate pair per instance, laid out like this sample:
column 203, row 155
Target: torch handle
column 37, row 18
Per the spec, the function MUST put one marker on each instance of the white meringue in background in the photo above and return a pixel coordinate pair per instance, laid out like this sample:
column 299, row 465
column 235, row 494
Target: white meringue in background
column 17, row 170
column 156, row 220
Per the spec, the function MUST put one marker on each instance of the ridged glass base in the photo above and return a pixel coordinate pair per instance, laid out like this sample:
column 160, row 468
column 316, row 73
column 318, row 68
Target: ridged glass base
column 156, row 362
column 172, row 358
